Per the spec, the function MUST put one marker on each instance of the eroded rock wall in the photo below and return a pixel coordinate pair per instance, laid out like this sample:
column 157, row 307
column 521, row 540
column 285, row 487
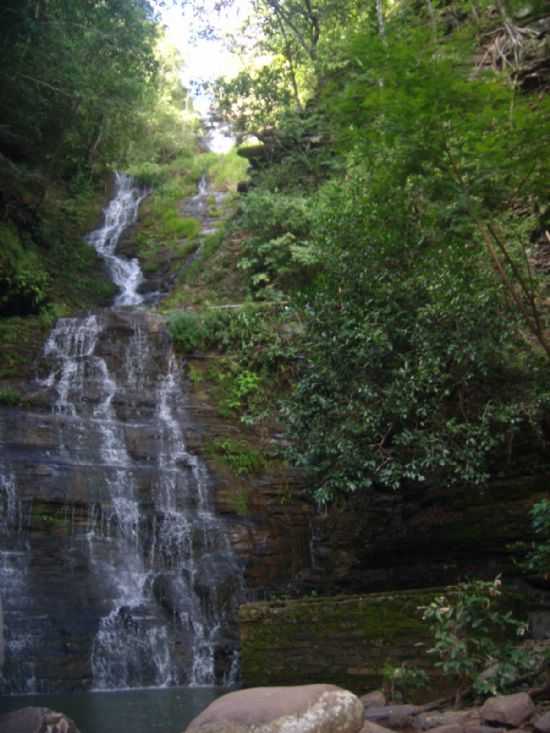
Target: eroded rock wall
column 430, row 537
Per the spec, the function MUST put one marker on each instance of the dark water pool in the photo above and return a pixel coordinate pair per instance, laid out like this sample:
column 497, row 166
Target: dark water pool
column 132, row 711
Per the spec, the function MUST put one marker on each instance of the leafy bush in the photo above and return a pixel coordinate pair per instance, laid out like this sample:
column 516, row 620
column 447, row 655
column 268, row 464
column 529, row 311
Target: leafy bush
column 402, row 349
column 23, row 280
column 277, row 252
column 471, row 634
column 148, row 174
column 537, row 553
column 9, row 397
column 186, row 330
column 259, row 354
column 245, row 385
column 400, row 681
column 239, row 456
column 416, row 364
column 179, row 226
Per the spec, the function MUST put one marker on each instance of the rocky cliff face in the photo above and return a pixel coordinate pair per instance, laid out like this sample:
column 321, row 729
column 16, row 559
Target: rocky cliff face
column 427, row 537
column 430, row 537
column 122, row 557
column 115, row 569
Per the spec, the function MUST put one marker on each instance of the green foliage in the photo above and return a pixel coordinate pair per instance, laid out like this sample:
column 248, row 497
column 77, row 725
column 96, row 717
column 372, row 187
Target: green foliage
column 241, row 502
column 258, row 349
column 76, row 274
column 253, row 99
column 166, row 237
column 538, row 559
column 186, row 330
column 21, row 339
column 468, row 148
column 243, row 388
column 87, row 87
column 402, row 349
column 212, row 244
column 224, row 170
column 10, row 397
column 75, row 75
column 23, row 280
column 537, row 553
column 400, row 681
column 179, row 226
column 277, row 254
column 148, row 174
column 471, row 632
column 412, row 347
column 241, row 458
column 166, row 127
column 422, row 356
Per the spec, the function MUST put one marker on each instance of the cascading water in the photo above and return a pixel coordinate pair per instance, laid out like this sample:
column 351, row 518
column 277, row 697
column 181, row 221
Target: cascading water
column 14, row 582
column 198, row 206
column 121, row 213
column 143, row 552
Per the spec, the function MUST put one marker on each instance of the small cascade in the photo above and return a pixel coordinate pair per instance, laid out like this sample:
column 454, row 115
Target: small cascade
column 121, row 213
column 199, row 206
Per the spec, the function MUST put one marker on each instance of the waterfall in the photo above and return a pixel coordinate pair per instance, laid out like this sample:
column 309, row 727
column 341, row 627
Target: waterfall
column 121, row 213
column 22, row 638
column 142, row 549
column 198, row 206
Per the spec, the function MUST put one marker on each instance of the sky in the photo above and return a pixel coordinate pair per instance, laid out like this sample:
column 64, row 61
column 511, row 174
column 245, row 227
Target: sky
column 204, row 59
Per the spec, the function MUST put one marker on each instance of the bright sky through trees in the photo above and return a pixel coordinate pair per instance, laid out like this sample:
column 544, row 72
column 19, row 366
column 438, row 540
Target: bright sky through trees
column 206, row 58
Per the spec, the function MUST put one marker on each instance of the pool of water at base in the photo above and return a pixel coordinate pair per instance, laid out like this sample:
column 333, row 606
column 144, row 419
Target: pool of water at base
column 132, row 711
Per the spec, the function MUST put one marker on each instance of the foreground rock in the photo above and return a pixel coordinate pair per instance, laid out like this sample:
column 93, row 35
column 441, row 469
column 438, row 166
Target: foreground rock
column 500, row 714
column 510, row 710
column 374, row 699
column 542, row 723
column 302, row 709
column 430, row 721
column 36, row 720
column 395, row 717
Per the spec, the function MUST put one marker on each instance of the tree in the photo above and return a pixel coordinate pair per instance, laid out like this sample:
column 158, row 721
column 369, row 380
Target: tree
column 72, row 76
column 426, row 291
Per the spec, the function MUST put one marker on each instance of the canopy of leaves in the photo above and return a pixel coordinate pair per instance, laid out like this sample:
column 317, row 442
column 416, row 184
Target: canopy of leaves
column 72, row 76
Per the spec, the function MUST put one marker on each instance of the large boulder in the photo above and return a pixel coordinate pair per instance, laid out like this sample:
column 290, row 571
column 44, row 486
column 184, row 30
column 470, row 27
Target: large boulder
column 510, row 710
column 302, row 709
column 36, row 720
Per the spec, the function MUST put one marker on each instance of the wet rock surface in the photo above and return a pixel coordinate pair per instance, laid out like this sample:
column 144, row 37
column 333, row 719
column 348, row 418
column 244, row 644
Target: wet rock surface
column 119, row 413
column 108, row 534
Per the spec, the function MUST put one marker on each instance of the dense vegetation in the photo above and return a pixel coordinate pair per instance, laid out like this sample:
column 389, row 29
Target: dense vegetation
column 86, row 87
column 394, row 226
column 397, row 206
